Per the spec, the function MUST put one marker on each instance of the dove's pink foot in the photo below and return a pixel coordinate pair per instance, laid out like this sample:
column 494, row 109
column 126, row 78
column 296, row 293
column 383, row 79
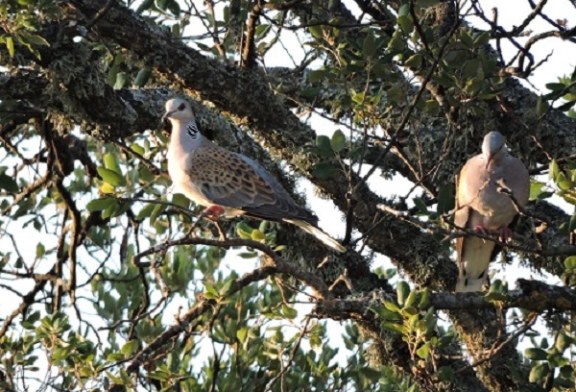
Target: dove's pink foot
column 213, row 212
column 480, row 229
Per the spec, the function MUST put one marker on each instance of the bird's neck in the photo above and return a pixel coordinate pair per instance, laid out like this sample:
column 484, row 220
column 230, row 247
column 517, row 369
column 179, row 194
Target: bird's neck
column 497, row 158
column 185, row 136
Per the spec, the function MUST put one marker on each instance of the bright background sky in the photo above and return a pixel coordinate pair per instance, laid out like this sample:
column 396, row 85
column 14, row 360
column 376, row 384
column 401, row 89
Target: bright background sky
column 561, row 62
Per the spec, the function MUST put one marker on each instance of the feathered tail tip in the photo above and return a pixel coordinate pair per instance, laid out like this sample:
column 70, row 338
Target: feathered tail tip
column 319, row 234
column 468, row 285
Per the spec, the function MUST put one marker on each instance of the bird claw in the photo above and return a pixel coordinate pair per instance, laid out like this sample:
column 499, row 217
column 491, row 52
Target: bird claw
column 505, row 234
column 213, row 214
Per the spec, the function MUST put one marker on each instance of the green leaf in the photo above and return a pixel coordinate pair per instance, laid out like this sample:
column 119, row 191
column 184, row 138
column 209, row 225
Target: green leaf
column 338, row 141
column 474, row 85
column 466, row 39
column 369, row 46
column 570, row 262
column 541, row 106
column 537, row 189
column 324, row 146
column 370, row 373
column 555, row 86
column 325, row 170
column 121, row 80
column 405, row 23
column 554, row 169
column 411, row 300
column 161, row 4
column 572, row 224
column 264, row 225
column 391, row 306
column 538, row 373
column 316, row 76
column 445, row 373
column 145, row 212
column 129, row 348
column 100, row 204
column 138, row 149
column 289, row 312
column 421, row 206
column 257, row 235
column 173, row 7
column 180, row 200
column 142, row 76
column 562, row 342
column 424, row 299
column 358, row 97
column 564, row 182
column 40, row 250
column 10, row 46
column 145, row 176
column 535, row 354
column 470, row 68
column 397, row 43
column 244, row 230
column 404, row 10
column 396, row 94
column 262, row 30
column 111, row 210
column 414, row 61
column 210, row 291
column 111, row 162
column 146, row 4
column 402, row 291
column 316, row 31
column 158, row 209
column 482, row 39
column 393, row 327
column 424, row 351
column 112, row 73
column 7, row 183
column 32, row 38
column 111, row 177
column 445, row 199
column 242, row 334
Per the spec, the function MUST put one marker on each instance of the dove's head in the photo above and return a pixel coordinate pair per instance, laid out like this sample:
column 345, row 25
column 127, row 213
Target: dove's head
column 178, row 110
column 493, row 146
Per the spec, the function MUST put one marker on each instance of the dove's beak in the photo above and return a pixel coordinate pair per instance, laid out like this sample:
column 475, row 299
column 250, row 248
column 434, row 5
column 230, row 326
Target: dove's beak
column 166, row 116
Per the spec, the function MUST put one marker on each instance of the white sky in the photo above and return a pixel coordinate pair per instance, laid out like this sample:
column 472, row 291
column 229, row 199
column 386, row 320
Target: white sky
column 511, row 13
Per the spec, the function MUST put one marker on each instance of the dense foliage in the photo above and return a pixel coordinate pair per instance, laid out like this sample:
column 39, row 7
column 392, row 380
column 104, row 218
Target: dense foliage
column 111, row 282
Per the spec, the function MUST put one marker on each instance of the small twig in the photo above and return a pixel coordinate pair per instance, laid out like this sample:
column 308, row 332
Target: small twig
column 280, row 375
column 99, row 14
column 192, row 314
column 248, row 55
column 496, row 347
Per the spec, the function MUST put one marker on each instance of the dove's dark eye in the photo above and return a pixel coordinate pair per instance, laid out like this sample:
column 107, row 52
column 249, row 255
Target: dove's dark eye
column 181, row 107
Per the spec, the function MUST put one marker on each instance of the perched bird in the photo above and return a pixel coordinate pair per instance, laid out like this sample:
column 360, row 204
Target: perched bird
column 483, row 205
column 228, row 183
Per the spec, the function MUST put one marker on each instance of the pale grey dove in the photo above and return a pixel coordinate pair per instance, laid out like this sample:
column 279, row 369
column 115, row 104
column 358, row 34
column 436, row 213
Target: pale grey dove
column 480, row 206
column 226, row 182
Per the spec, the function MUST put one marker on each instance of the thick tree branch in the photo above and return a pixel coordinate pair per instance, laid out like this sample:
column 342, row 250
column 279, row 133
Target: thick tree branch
column 532, row 295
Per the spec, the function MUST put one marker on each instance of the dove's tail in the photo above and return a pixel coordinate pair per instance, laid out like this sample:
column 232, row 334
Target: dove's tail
column 468, row 285
column 319, row 234
column 475, row 257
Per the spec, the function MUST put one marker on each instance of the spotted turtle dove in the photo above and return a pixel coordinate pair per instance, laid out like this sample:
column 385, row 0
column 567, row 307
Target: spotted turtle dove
column 228, row 183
